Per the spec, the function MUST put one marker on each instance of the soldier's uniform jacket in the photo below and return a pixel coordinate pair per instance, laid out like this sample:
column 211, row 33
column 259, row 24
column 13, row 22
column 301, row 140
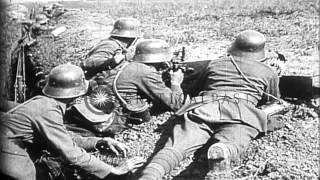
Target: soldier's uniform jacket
column 238, row 99
column 38, row 124
column 100, row 57
column 138, row 81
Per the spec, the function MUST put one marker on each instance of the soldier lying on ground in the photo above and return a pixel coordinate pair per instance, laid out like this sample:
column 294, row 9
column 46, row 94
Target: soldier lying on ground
column 41, row 25
column 226, row 111
column 38, row 124
column 108, row 53
column 134, row 85
column 53, row 10
column 143, row 77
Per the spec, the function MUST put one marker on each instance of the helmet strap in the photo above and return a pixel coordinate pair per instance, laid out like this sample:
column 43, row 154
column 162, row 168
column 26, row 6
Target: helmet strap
column 133, row 42
column 124, row 42
column 251, row 83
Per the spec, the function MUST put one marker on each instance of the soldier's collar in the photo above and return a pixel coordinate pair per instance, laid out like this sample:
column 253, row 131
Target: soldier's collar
column 63, row 106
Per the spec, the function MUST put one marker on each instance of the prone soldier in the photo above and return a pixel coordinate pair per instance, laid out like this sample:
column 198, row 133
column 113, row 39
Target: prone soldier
column 226, row 112
column 110, row 52
column 143, row 78
column 37, row 124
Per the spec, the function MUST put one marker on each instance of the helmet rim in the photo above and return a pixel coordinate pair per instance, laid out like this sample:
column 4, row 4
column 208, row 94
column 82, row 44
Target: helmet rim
column 152, row 51
column 126, row 27
column 152, row 58
column 92, row 113
column 249, row 44
column 125, row 34
column 66, row 81
column 65, row 93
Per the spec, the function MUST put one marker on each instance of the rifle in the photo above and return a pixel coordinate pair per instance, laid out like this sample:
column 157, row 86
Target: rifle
column 20, row 84
column 21, row 46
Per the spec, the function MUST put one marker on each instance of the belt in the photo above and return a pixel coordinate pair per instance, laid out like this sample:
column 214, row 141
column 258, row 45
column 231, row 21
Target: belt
column 211, row 96
column 231, row 94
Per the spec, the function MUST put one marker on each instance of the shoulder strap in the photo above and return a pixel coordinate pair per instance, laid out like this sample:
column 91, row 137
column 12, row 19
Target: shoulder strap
column 114, row 85
column 102, row 43
column 250, row 82
column 119, row 44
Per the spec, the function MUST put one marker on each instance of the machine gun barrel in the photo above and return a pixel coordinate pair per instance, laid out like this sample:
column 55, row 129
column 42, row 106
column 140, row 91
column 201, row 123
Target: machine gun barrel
column 178, row 62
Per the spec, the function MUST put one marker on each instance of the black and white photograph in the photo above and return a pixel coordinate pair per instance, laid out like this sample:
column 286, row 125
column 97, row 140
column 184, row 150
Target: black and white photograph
column 159, row 90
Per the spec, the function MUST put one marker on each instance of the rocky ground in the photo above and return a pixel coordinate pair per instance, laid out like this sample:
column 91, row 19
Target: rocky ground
column 206, row 28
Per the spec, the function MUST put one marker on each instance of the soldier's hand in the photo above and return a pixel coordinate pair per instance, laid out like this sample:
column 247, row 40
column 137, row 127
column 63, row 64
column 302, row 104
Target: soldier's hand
column 276, row 65
column 276, row 61
column 275, row 122
column 176, row 77
column 115, row 146
column 128, row 166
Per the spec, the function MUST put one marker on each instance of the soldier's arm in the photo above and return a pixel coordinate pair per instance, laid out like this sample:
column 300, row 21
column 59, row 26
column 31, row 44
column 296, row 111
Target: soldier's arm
column 50, row 125
column 87, row 143
column 101, row 57
column 272, row 88
column 153, row 86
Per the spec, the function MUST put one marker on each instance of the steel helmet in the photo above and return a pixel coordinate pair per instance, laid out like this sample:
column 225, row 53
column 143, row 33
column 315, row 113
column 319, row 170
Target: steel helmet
column 248, row 45
column 126, row 27
column 65, row 81
column 98, row 106
column 152, row 51
column 41, row 19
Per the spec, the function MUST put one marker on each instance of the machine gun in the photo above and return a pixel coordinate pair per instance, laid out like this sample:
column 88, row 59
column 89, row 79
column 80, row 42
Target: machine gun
column 178, row 62
column 291, row 87
column 192, row 70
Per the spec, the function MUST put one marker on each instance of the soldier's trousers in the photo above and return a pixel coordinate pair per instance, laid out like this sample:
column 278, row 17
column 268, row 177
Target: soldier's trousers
column 225, row 121
column 217, row 121
column 193, row 131
column 189, row 135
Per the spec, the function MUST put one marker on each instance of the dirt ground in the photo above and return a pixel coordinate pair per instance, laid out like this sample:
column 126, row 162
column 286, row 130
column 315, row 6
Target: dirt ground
column 206, row 28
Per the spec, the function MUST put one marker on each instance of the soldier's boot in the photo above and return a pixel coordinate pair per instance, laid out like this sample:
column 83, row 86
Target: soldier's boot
column 219, row 162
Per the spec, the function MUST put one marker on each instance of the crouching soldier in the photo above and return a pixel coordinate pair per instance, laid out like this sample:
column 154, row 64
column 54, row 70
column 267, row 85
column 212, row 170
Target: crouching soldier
column 37, row 124
column 110, row 52
column 226, row 112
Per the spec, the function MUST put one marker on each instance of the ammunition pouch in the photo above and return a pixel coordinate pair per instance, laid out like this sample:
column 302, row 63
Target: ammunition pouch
column 275, row 108
column 275, row 117
column 137, row 113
